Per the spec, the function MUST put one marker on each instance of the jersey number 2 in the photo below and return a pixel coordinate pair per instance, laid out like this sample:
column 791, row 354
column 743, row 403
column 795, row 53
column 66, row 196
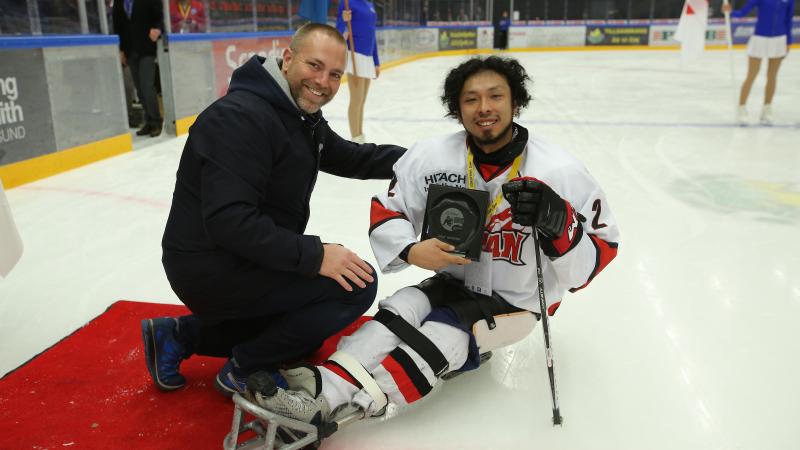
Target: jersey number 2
column 596, row 221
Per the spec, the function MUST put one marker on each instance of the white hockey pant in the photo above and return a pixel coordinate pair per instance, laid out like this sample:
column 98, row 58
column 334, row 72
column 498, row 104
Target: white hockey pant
column 399, row 371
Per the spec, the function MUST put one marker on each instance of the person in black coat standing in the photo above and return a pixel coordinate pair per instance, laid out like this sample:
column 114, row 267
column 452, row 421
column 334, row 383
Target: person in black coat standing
column 138, row 23
column 262, row 292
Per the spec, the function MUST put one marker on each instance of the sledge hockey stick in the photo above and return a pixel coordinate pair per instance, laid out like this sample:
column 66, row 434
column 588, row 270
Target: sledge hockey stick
column 548, row 349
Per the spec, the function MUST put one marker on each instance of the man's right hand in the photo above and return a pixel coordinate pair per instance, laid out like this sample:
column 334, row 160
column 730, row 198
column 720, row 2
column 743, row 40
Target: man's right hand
column 432, row 254
column 342, row 264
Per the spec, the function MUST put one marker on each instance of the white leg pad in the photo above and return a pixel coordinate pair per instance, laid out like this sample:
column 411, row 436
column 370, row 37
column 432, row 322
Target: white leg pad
column 451, row 341
column 373, row 341
column 510, row 328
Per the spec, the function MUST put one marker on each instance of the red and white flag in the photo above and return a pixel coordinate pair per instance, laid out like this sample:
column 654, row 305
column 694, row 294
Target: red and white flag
column 691, row 32
column 10, row 242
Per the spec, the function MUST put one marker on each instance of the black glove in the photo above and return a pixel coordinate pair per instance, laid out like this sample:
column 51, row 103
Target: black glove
column 535, row 204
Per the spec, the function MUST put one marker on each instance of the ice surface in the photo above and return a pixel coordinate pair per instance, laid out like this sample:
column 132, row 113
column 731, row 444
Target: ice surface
column 688, row 340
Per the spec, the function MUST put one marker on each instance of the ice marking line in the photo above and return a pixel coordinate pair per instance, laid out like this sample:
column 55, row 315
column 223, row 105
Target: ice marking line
column 125, row 198
column 589, row 123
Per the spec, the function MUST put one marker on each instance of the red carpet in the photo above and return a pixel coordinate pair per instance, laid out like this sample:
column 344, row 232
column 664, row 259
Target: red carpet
column 92, row 390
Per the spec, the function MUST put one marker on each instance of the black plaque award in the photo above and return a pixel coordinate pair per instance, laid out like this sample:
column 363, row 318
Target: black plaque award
column 457, row 216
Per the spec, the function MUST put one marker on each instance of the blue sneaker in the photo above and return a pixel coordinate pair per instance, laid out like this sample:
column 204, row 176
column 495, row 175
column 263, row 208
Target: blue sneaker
column 232, row 380
column 163, row 353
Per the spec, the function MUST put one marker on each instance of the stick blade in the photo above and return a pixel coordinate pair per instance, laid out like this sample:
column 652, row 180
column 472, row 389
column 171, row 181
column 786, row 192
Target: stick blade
column 557, row 419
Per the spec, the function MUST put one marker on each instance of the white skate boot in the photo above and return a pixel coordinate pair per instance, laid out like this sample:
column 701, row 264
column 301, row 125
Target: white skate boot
column 741, row 116
column 298, row 405
column 766, row 115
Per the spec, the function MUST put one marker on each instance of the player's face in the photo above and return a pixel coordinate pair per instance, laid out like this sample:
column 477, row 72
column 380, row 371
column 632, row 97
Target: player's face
column 314, row 71
column 486, row 110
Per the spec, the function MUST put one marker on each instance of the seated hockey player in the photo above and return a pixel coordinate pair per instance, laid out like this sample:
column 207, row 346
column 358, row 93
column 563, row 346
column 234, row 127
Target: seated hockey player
column 444, row 324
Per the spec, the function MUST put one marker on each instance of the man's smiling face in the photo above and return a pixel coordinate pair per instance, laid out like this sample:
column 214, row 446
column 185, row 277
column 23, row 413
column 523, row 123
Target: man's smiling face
column 486, row 110
column 314, row 71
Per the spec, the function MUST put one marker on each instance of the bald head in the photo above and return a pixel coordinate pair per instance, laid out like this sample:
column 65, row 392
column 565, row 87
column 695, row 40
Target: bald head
column 301, row 35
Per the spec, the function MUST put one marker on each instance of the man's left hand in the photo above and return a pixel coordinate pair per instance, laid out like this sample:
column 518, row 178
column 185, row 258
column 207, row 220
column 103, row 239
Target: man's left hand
column 535, row 204
column 341, row 264
column 155, row 33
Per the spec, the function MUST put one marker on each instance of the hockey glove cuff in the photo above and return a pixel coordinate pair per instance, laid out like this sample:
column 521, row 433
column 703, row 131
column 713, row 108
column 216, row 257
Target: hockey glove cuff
column 569, row 238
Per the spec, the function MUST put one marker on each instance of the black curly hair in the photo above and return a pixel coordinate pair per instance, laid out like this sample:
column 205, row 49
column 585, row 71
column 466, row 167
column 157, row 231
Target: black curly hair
column 509, row 68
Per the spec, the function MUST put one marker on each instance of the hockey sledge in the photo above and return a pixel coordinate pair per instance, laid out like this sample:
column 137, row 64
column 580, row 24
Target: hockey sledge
column 275, row 432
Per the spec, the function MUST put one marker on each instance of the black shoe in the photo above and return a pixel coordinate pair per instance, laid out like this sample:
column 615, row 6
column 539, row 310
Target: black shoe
column 145, row 130
column 155, row 130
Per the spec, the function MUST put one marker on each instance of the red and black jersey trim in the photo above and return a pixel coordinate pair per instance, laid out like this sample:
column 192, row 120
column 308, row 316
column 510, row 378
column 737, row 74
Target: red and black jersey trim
column 561, row 245
column 606, row 251
column 410, row 380
column 379, row 214
column 392, row 184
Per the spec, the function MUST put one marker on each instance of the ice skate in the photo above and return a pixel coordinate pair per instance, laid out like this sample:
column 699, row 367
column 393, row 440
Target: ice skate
column 741, row 116
column 766, row 116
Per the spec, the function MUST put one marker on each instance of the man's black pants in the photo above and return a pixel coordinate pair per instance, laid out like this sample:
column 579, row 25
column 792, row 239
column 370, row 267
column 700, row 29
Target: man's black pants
column 265, row 324
column 143, row 70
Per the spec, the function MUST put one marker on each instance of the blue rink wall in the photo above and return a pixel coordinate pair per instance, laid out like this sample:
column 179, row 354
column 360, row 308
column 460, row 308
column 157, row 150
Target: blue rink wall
column 62, row 99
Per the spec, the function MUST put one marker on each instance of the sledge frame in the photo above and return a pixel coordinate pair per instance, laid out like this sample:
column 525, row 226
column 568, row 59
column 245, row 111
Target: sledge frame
column 266, row 425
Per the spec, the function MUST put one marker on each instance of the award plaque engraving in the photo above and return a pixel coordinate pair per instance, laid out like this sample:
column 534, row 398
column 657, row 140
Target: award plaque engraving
column 457, row 216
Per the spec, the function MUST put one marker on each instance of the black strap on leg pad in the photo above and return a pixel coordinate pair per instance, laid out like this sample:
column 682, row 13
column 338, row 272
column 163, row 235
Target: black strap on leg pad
column 414, row 339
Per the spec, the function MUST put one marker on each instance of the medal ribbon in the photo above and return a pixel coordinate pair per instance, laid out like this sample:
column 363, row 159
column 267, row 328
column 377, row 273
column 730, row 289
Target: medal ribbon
column 472, row 185
column 185, row 11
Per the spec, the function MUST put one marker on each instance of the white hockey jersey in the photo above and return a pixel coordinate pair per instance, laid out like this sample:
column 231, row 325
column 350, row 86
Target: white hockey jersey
column 397, row 215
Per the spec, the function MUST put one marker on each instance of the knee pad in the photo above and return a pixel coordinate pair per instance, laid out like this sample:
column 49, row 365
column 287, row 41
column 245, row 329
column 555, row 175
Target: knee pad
column 410, row 303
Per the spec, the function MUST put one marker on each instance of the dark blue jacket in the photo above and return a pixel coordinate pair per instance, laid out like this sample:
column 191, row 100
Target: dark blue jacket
column 134, row 32
column 774, row 17
column 245, row 180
